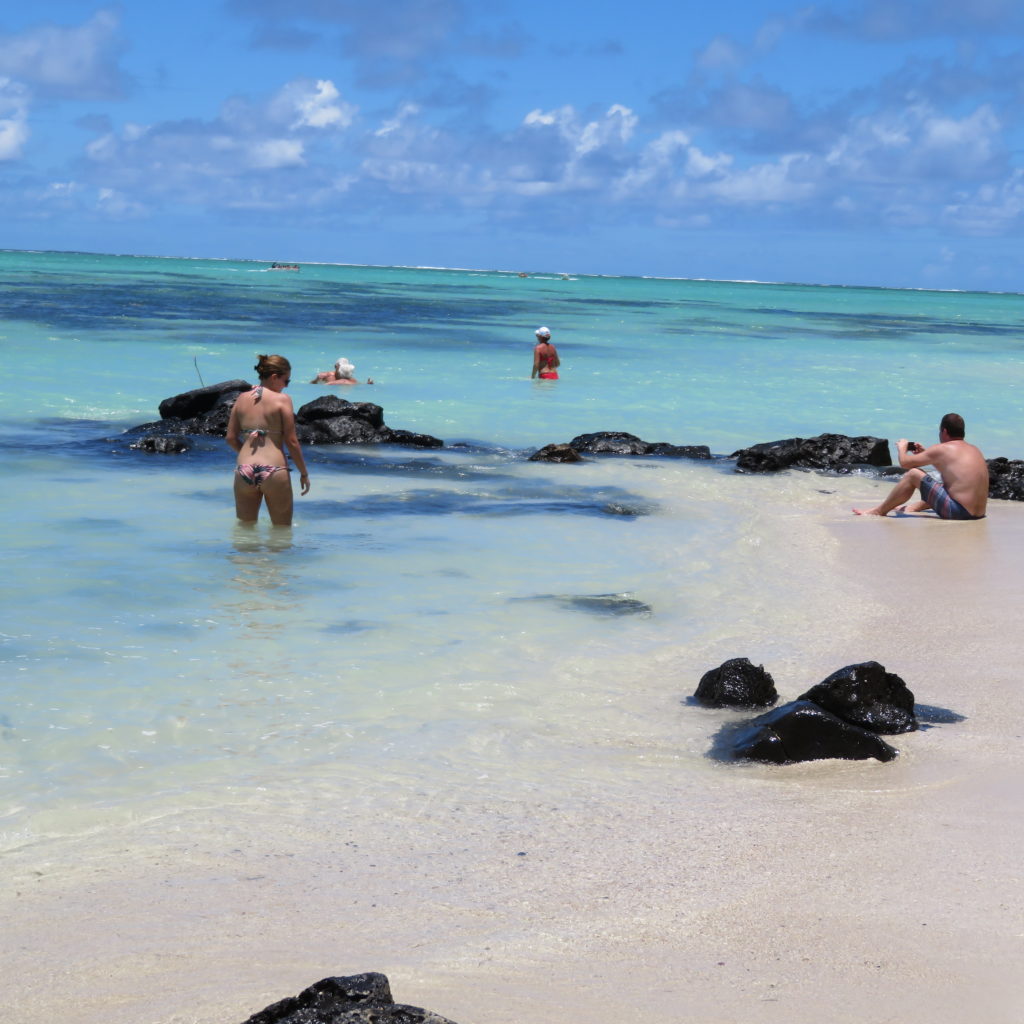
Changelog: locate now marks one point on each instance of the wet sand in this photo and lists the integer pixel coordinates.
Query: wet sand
(830, 891)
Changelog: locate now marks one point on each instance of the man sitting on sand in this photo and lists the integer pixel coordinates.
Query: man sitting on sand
(963, 492)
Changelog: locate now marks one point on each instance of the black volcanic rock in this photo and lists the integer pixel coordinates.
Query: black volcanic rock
(556, 453)
(618, 442)
(194, 403)
(835, 452)
(1006, 479)
(409, 438)
(736, 683)
(326, 420)
(330, 407)
(156, 444)
(805, 731)
(866, 695)
(355, 999)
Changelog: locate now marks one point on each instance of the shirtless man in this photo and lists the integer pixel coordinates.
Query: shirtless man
(963, 493)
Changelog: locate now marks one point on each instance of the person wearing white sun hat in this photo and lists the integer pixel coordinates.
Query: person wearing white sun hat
(343, 373)
(545, 356)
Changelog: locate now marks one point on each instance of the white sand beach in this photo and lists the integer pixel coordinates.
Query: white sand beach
(677, 890)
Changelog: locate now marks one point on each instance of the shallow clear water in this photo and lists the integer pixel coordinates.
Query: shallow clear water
(455, 611)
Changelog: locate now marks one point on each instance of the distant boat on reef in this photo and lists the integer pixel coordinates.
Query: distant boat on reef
(284, 266)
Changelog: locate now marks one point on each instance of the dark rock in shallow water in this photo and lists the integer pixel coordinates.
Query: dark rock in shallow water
(326, 420)
(679, 451)
(409, 438)
(826, 451)
(868, 696)
(556, 453)
(328, 407)
(333, 420)
(598, 604)
(736, 683)
(617, 442)
(804, 731)
(1006, 479)
(190, 404)
(161, 445)
(356, 999)
(610, 442)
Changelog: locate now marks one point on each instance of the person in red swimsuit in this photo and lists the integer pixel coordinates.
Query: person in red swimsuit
(545, 356)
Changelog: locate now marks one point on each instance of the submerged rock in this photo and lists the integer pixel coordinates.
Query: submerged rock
(866, 695)
(736, 683)
(556, 453)
(355, 999)
(597, 604)
(835, 452)
(805, 731)
(161, 445)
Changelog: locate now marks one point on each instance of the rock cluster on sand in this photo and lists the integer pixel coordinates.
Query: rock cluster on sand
(840, 717)
(355, 999)
(327, 420)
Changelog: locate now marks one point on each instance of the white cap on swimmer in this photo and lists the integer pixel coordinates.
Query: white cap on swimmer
(543, 332)
(344, 368)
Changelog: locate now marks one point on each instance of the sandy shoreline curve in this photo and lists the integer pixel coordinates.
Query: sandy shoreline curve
(830, 891)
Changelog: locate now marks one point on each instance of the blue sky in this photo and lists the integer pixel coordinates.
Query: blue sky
(859, 142)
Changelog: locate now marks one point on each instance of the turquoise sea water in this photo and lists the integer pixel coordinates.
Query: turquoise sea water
(433, 614)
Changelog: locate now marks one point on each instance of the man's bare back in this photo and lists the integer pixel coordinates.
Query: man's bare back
(961, 465)
(964, 472)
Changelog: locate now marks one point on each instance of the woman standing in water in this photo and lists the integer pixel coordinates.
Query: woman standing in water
(545, 356)
(262, 424)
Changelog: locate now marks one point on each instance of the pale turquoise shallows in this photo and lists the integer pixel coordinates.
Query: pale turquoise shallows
(432, 613)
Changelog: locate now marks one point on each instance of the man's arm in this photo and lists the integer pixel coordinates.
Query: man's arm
(914, 460)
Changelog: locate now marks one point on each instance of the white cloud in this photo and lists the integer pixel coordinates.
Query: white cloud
(778, 182)
(393, 125)
(614, 129)
(991, 209)
(721, 54)
(13, 119)
(112, 203)
(916, 142)
(304, 103)
(273, 153)
(77, 63)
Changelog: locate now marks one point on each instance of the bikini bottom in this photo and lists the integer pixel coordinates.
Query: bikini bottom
(255, 475)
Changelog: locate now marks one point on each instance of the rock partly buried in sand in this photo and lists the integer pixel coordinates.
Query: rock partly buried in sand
(866, 695)
(356, 999)
(556, 453)
(617, 442)
(736, 683)
(327, 420)
(805, 731)
(1006, 479)
(835, 452)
